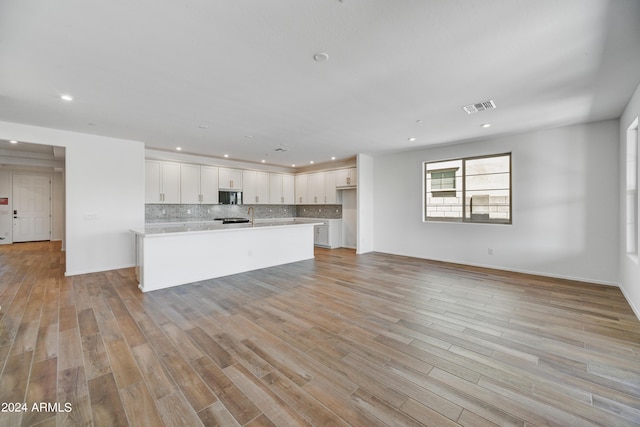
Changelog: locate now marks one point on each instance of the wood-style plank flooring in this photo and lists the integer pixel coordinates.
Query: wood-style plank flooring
(340, 340)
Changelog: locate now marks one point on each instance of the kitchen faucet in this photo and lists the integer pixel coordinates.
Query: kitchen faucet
(250, 211)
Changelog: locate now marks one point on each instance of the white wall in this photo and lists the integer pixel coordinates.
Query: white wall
(629, 268)
(104, 189)
(565, 205)
(365, 204)
(5, 210)
(57, 206)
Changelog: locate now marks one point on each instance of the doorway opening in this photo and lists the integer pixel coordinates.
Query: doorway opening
(32, 192)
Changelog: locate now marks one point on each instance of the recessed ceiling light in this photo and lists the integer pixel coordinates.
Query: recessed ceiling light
(486, 125)
(333, 157)
(321, 57)
(179, 148)
(66, 97)
(311, 162)
(13, 141)
(226, 155)
(263, 161)
(293, 166)
(411, 139)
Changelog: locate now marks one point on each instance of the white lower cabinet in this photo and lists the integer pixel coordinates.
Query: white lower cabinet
(321, 235)
(329, 234)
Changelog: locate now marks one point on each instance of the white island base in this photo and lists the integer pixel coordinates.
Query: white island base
(169, 258)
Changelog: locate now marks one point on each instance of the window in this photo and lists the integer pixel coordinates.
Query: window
(474, 189)
(443, 180)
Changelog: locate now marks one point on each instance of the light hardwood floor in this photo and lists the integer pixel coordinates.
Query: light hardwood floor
(340, 340)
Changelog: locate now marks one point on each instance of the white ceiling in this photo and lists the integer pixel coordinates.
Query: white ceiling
(158, 70)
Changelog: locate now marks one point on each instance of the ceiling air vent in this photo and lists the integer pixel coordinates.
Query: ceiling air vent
(481, 106)
(280, 150)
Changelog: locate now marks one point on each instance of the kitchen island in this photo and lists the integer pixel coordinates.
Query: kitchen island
(175, 254)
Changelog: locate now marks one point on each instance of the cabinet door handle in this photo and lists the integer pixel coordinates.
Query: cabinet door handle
(315, 199)
(257, 199)
(348, 180)
(281, 199)
(231, 184)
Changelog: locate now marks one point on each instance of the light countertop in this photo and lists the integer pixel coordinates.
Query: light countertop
(158, 229)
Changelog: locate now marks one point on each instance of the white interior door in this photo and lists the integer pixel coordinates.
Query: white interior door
(31, 208)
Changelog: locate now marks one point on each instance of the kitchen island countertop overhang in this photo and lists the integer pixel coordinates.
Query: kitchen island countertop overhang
(175, 254)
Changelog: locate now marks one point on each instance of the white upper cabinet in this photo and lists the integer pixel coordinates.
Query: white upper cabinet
(209, 184)
(162, 182)
(198, 184)
(347, 177)
(255, 187)
(301, 189)
(288, 190)
(281, 189)
(172, 182)
(189, 183)
(229, 179)
(330, 187)
(315, 188)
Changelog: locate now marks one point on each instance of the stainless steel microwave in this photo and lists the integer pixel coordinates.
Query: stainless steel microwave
(230, 197)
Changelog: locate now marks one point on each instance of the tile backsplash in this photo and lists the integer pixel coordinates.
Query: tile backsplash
(183, 213)
(319, 211)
